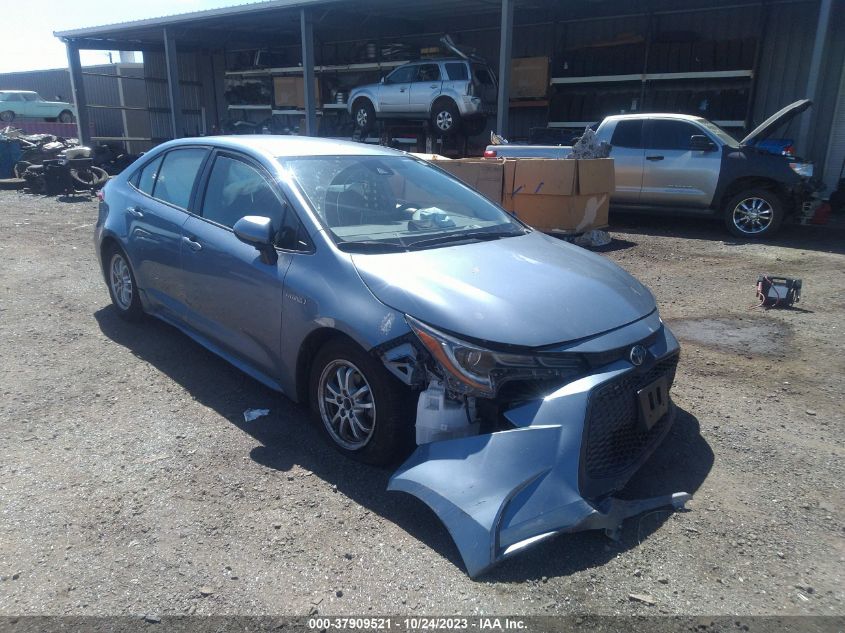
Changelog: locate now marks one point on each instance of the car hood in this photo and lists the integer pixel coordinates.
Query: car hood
(528, 291)
(779, 118)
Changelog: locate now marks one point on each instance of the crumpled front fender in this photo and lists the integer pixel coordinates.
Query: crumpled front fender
(501, 492)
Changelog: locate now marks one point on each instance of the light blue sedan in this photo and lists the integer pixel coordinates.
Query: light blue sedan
(405, 308)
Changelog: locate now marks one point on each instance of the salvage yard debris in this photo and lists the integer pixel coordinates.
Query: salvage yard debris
(52, 164)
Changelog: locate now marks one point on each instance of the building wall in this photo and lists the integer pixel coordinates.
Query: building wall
(100, 89)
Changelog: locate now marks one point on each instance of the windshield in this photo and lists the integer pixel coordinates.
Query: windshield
(718, 132)
(395, 202)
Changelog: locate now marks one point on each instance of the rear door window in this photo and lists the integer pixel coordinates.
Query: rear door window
(628, 134)
(177, 175)
(667, 134)
(457, 71)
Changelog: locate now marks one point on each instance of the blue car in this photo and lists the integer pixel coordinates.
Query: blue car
(523, 380)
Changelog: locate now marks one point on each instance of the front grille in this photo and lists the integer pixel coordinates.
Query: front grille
(614, 439)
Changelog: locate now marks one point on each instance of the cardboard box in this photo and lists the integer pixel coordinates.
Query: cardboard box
(290, 92)
(596, 175)
(485, 176)
(529, 77)
(561, 195)
(563, 214)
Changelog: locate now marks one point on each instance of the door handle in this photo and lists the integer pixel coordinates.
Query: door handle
(434, 86)
(653, 158)
(191, 242)
(136, 211)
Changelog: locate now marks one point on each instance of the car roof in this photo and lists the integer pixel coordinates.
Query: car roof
(655, 115)
(22, 92)
(435, 60)
(278, 145)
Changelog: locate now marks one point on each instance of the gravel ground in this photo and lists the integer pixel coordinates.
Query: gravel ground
(130, 484)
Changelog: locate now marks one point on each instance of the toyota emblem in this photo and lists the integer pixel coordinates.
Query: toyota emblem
(637, 355)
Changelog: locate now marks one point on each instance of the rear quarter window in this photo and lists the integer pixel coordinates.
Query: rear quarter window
(457, 71)
(144, 179)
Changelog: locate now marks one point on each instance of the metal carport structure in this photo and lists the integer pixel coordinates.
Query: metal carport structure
(798, 53)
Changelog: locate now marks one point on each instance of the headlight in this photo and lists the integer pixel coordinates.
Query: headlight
(802, 169)
(476, 370)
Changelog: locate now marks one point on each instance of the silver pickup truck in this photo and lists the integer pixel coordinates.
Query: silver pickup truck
(681, 164)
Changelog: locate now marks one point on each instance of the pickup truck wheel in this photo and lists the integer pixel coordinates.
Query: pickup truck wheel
(363, 410)
(7, 116)
(445, 118)
(754, 213)
(65, 116)
(364, 115)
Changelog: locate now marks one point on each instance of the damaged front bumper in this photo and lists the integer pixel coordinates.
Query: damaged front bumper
(555, 472)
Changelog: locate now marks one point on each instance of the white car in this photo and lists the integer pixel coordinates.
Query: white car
(20, 104)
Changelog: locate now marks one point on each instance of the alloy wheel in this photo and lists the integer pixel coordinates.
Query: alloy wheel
(361, 117)
(121, 281)
(753, 215)
(347, 408)
(444, 120)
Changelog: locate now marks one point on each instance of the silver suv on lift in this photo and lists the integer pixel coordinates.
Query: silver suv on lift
(454, 93)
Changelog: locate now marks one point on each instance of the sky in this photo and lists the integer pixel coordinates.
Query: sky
(27, 42)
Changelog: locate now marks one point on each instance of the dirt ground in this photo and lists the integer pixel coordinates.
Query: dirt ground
(130, 483)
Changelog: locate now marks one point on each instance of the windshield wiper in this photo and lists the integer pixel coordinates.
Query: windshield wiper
(464, 235)
(371, 246)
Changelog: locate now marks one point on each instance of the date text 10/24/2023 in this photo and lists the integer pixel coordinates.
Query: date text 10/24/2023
(417, 623)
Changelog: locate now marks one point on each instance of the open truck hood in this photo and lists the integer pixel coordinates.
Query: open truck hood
(779, 118)
(528, 291)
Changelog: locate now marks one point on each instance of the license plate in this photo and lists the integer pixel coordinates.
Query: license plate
(654, 402)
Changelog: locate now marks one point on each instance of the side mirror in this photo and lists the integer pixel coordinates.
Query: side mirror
(257, 231)
(700, 143)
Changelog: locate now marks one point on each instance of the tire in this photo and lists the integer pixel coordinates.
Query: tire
(89, 178)
(380, 431)
(754, 213)
(364, 115)
(66, 116)
(124, 296)
(7, 116)
(20, 167)
(445, 118)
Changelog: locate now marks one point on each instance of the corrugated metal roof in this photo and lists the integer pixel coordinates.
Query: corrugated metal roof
(179, 18)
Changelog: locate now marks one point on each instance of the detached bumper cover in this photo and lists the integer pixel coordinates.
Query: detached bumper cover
(501, 492)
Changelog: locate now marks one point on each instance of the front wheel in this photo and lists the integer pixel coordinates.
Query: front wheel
(754, 213)
(364, 411)
(364, 115)
(7, 116)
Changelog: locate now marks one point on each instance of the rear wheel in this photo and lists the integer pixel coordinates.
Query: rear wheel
(66, 116)
(363, 410)
(445, 118)
(122, 287)
(754, 213)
